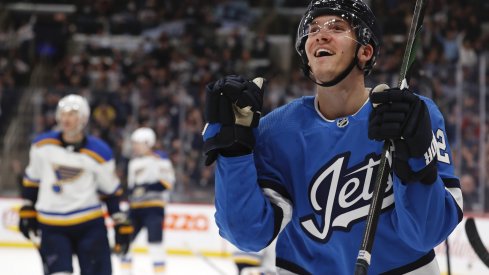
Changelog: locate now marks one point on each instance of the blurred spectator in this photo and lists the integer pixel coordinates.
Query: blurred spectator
(51, 36)
(450, 41)
(470, 193)
(467, 57)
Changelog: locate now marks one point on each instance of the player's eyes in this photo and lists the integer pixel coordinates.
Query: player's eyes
(334, 26)
(314, 29)
(337, 28)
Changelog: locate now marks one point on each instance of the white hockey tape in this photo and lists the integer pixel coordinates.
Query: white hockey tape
(363, 254)
(379, 88)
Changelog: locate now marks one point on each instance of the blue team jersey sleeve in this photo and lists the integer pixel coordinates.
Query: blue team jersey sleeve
(243, 214)
(425, 214)
(252, 201)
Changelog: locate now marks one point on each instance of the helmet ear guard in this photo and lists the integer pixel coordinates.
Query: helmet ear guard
(365, 36)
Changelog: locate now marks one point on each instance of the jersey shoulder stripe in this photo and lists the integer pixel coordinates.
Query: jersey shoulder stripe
(97, 149)
(51, 137)
(161, 154)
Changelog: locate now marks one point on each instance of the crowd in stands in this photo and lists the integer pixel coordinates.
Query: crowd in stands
(180, 46)
(15, 65)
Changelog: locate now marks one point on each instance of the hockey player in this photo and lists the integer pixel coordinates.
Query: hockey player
(69, 177)
(254, 263)
(304, 173)
(150, 178)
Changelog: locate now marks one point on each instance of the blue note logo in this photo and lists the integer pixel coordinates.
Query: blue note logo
(340, 196)
(65, 174)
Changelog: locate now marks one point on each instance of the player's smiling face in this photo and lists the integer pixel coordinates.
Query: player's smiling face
(330, 46)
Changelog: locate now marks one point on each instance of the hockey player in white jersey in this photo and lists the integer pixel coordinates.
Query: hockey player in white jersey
(304, 173)
(256, 263)
(150, 178)
(69, 178)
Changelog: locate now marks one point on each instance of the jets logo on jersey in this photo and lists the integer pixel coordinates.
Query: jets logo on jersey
(64, 174)
(340, 196)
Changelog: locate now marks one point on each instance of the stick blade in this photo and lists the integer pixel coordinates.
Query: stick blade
(475, 241)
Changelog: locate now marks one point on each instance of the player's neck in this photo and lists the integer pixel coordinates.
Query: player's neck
(344, 99)
(73, 138)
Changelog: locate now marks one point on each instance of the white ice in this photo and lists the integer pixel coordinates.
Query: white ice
(26, 261)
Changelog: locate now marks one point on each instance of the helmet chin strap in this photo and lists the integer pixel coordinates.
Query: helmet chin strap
(75, 132)
(338, 78)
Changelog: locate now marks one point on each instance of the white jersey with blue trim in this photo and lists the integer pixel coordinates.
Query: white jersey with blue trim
(70, 180)
(154, 168)
(309, 181)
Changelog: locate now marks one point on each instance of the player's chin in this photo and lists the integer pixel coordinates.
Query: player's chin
(323, 75)
(322, 70)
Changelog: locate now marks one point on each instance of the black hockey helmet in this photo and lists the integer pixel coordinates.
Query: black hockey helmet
(356, 12)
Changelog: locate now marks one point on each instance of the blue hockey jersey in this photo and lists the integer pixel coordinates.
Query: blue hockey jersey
(309, 183)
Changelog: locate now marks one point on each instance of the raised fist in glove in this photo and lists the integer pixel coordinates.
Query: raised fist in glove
(233, 108)
(123, 230)
(28, 224)
(401, 116)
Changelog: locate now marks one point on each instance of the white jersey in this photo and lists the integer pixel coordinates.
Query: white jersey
(153, 169)
(70, 180)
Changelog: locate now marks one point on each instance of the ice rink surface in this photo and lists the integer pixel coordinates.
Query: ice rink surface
(25, 261)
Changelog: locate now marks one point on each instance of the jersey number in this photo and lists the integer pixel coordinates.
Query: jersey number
(442, 147)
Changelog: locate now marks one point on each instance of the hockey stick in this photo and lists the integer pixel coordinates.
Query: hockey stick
(43, 261)
(364, 254)
(449, 266)
(475, 241)
(36, 242)
(197, 253)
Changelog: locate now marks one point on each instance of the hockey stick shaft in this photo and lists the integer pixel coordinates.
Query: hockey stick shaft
(364, 255)
(43, 261)
(36, 242)
(449, 266)
(410, 52)
(475, 241)
(204, 258)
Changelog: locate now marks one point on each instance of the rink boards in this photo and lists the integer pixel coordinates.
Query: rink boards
(190, 229)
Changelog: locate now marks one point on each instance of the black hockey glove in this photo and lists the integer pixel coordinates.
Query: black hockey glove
(28, 224)
(123, 231)
(232, 110)
(141, 189)
(401, 116)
